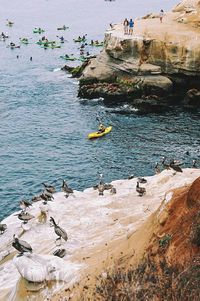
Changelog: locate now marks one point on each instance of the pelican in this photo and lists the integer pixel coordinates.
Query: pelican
(175, 167)
(46, 198)
(194, 163)
(58, 230)
(140, 190)
(3, 228)
(113, 190)
(60, 253)
(36, 198)
(157, 168)
(66, 188)
(142, 180)
(49, 188)
(25, 217)
(21, 245)
(166, 166)
(24, 204)
(101, 188)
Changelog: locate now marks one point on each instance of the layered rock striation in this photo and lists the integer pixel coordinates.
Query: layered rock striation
(159, 62)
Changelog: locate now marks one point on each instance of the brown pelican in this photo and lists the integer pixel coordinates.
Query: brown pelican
(21, 245)
(36, 198)
(66, 188)
(108, 186)
(166, 166)
(142, 180)
(24, 204)
(46, 198)
(140, 190)
(175, 167)
(113, 190)
(60, 253)
(194, 163)
(58, 230)
(157, 168)
(25, 217)
(49, 188)
(101, 188)
(3, 228)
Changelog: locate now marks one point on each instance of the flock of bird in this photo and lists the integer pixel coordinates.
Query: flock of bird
(49, 190)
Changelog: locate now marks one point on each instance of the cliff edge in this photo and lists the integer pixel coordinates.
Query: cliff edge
(159, 61)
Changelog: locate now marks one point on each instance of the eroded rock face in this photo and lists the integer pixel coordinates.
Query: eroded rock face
(154, 55)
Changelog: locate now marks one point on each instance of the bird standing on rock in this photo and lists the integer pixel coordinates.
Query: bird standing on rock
(66, 188)
(3, 228)
(157, 168)
(21, 245)
(24, 204)
(25, 217)
(58, 230)
(194, 163)
(175, 167)
(140, 190)
(49, 188)
(101, 188)
(165, 166)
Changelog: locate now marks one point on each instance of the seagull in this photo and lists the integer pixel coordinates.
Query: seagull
(21, 245)
(58, 230)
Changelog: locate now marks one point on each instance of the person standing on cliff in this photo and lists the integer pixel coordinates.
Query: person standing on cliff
(131, 25)
(161, 15)
(126, 24)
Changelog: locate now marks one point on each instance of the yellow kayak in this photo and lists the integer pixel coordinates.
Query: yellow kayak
(99, 134)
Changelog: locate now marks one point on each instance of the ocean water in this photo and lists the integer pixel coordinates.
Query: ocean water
(44, 126)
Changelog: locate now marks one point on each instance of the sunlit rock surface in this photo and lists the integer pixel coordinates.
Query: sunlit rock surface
(90, 221)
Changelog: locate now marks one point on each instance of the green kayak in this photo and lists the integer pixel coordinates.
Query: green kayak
(38, 30)
(68, 58)
(24, 41)
(79, 40)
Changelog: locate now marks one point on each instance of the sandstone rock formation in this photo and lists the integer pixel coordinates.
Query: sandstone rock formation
(152, 61)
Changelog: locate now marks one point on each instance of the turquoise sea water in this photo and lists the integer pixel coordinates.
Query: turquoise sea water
(43, 125)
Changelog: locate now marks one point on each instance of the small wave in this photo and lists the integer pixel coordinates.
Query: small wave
(56, 69)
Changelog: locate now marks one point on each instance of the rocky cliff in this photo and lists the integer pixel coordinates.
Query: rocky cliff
(158, 60)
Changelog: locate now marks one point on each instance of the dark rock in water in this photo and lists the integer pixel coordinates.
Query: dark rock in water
(192, 98)
(150, 105)
(60, 253)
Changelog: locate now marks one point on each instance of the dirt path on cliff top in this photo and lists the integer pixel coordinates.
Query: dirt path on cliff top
(170, 29)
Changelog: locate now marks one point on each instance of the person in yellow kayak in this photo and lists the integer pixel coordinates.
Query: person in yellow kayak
(101, 128)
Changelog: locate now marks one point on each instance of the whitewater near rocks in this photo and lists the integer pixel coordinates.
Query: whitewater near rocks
(90, 221)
